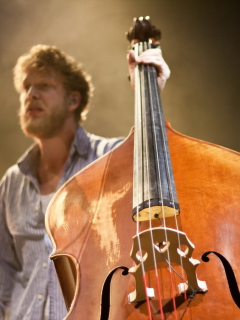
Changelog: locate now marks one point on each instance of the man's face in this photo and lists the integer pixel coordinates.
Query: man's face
(43, 103)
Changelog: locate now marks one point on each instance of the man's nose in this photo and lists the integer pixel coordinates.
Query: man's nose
(32, 93)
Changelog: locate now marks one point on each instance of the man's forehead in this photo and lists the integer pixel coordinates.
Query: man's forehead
(43, 73)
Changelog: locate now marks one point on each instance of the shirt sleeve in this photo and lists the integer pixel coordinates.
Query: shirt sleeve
(104, 145)
(8, 260)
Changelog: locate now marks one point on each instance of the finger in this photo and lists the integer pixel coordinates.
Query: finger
(151, 53)
(150, 60)
(131, 57)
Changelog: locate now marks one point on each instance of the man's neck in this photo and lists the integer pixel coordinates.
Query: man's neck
(54, 153)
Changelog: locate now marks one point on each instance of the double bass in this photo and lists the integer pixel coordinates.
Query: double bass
(150, 230)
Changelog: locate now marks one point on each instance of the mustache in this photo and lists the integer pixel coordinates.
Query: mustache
(34, 105)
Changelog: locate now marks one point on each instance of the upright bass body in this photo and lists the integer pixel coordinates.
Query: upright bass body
(89, 222)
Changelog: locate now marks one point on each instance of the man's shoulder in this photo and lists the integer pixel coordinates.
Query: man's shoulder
(92, 146)
(12, 176)
(101, 145)
(93, 138)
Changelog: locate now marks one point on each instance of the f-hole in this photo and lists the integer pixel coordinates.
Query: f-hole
(106, 293)
(67, 276)
(232, 283)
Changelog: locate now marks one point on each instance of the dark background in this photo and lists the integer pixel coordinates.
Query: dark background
(200, 42)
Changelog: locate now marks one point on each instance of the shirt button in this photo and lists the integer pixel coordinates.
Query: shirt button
(44, 265)
(40, 297)
(36, 208)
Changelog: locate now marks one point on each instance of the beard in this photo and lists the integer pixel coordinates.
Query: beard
(43, 126)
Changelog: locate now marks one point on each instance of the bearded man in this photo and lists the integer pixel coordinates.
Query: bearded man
(54, 93)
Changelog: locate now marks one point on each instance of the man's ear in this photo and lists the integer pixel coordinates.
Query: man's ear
(74, 100)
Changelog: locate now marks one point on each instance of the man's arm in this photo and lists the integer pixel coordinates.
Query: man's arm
(8, 261)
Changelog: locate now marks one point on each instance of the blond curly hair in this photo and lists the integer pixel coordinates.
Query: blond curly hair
(75, 78)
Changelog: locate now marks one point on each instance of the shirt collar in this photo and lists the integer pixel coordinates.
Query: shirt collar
(28, 161)
(81, 143)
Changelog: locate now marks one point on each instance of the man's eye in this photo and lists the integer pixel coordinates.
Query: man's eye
(26, 88)
(43, 86)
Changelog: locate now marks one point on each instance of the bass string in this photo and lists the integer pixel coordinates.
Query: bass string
(146, 151)
(139, 80)
(138, 113)
(139, 142)
(154, 84)
(152, 89)
(138, 139)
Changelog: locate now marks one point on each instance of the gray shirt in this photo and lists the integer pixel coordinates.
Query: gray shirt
(26, 276)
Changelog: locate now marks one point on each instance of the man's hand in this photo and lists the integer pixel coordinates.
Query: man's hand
(150, 56)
